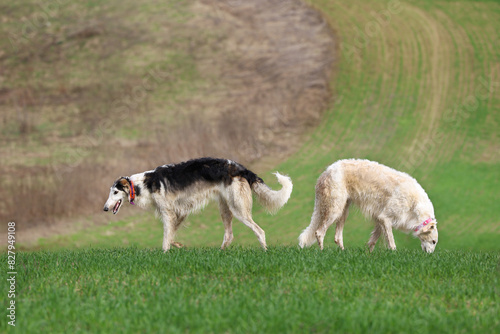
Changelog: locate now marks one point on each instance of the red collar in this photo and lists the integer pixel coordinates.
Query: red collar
(132, 192)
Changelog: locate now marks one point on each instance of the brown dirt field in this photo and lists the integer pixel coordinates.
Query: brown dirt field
(265, 68)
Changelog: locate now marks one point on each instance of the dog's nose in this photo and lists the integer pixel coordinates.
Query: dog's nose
(106, 208)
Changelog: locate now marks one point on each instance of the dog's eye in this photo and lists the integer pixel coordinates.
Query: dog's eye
(433, 242)
(116, 192)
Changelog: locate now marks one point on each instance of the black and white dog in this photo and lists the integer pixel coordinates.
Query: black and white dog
(180, 189)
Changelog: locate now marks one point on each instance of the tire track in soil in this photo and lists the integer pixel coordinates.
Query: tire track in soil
(436, 84)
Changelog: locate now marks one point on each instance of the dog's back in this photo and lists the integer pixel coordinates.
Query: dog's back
(210, 170)
(375, 187)
(378, 189)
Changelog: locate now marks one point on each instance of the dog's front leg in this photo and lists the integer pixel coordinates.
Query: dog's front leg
(168, 230)
(227, 218)
(386, 224)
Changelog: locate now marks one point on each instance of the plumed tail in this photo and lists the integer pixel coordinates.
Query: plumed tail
(273, 200)
(307, 237)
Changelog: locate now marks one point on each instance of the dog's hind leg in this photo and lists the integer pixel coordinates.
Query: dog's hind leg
(339, 239)
(328, 206)
(308, 236)
(322, 207)
(330, 212)
(227, 218)
(240, 204)
(244, 215)
(259, 232)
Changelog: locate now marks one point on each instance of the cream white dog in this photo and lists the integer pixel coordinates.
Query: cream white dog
(392, 199)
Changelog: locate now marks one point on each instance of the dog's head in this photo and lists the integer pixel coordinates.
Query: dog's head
(118, 193)
(428, 236)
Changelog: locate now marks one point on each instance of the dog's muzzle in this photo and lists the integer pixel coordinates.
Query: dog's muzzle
(428, 249)
(106, 208)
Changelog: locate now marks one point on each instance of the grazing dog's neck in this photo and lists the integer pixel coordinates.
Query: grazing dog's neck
(427, 221)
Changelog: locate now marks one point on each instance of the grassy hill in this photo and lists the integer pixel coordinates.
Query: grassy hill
(417, 87)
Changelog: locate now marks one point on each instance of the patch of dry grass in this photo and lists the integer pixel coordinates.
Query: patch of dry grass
(115, 88)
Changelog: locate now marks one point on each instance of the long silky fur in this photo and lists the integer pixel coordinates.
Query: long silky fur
(391, 198)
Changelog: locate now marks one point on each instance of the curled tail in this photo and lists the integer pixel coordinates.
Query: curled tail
(273, 200)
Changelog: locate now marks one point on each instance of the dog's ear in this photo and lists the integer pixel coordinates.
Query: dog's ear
(126, 186)
(429, 228)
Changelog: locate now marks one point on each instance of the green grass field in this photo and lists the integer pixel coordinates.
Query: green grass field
(247, 290)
